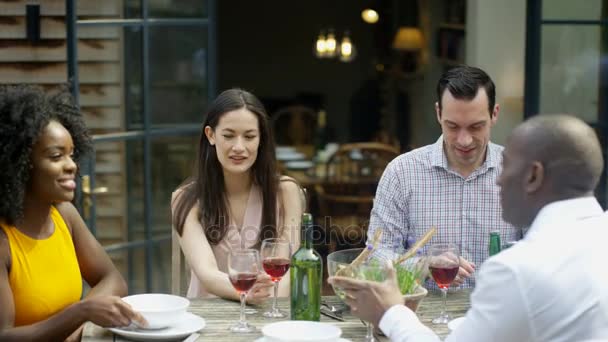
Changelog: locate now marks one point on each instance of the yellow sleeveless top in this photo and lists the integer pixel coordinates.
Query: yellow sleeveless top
(44, 275)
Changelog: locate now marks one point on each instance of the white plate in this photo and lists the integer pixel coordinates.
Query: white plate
(188, 324)
(286, 156)
(283, 149)
(301, 331)
(263, 339)
(299, 164)
(453, 324)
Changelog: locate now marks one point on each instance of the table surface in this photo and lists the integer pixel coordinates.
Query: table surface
(219, 314)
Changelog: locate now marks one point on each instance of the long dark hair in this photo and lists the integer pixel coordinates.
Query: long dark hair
(207, 184)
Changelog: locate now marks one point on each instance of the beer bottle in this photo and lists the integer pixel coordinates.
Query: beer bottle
(494, 247)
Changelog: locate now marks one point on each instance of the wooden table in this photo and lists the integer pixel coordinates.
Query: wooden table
(219, 314)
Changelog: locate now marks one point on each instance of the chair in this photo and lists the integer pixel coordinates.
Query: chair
(180, 271)
(294, 125)
(359, 162)
(346, 197)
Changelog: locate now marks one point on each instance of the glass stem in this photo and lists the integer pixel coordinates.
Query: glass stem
(445, 296)
(370, 332)
(242, 319)
(276, 293)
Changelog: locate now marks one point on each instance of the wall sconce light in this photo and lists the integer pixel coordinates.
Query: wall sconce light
(326, 46)
(330, 44)
(320, 46)
(370, 16)
(347, 50)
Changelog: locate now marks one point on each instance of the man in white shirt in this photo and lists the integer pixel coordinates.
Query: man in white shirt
(552, 285)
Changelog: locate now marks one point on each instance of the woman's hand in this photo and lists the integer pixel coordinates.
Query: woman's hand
(261, 290)
(111, 311)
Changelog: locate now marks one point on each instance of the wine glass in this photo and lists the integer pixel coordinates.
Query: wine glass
(444, 262)
(243, 269)
(371, 270)
(374, 269)
(276, 255)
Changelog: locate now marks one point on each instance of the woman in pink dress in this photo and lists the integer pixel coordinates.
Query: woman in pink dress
(235, 199)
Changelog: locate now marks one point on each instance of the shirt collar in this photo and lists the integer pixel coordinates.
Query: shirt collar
(439, 158)
(557, 213)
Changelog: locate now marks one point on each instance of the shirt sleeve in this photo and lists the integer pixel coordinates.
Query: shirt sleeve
(400, 324)
(498, 313)
(390, 209)
(498, 310)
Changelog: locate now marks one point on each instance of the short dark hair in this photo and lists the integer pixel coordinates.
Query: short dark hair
(464, 82)
(25, 110)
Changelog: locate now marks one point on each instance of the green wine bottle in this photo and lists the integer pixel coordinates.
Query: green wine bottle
(306, 275)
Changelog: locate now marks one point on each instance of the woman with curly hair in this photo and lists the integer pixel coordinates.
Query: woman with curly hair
(236, 199)
(45, 247)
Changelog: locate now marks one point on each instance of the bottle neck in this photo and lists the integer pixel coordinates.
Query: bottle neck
(307, 236)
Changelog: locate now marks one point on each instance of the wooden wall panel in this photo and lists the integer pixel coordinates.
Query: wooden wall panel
(53, 28)
(110, 228)
(55, 50)
(101, 95)
(109, 162)
(98, 118)
(96, 8)
(41, 73)
(113, 181)
(111, 205)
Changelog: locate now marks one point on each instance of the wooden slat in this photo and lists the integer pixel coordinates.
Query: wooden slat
(52, 28)
(41, 73)
(99, 95)
(57, 7)
(108, 118)
(115, 182)
(110, 146)
(108, 162)
(111, 205)
(55, 50)
(110, 228)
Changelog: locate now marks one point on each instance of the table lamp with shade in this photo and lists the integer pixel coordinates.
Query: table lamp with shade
(410, 43)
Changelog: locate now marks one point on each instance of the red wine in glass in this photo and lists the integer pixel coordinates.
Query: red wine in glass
(444, 275)
(276, 267)
(242, 282)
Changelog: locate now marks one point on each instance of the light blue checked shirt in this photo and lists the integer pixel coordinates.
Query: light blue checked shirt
(418, 190)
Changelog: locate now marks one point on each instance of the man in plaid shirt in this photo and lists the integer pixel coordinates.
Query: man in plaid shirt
(450, 184)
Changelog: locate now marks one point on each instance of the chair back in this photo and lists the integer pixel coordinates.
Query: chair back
(180, 271)
(294, 125)
(359, 162)
(346, 197)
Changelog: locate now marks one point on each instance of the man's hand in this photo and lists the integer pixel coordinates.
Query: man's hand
(261, 290)
(465, 271)
(370, 300)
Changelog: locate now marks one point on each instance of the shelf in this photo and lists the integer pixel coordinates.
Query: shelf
(449, 26)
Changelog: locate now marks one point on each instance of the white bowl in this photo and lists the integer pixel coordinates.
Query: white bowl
(301, 331)
(160, 310)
